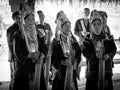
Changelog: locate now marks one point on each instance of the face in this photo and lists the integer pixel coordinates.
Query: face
(17, 17)
(66, 28)
(30, 20)
(96, 27)
(28, 9)
(41, 16)
(86, 13)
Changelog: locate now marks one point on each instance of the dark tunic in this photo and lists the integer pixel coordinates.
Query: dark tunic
(41, 42)
(24, 65)
(93, 63)
(45, 27)
(57, 58)
(10, 35)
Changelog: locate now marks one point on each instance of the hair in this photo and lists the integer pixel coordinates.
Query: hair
(40, 11)
(87, 9)
(93, 12)
(15, 15)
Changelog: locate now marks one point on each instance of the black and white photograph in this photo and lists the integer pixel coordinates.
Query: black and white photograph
(59, 44)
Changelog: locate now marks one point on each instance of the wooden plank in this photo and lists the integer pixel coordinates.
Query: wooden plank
(68, 78)
(48, 64)
(38, 69)
(101, 77)
(48, 58)
(69, 84)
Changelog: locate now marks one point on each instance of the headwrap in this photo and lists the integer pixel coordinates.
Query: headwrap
(62, 20)
(30, 34)
(95, 15)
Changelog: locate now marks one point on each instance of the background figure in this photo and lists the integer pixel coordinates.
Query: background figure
(10, 36)
(96, 39)
(60, 51)
(106, 27)
(43, 27)
(82, 29)
(43, 30)
(82, 26)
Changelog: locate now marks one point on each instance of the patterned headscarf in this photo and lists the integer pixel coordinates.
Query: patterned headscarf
(63, 21)
(30, 33)
(95, 15)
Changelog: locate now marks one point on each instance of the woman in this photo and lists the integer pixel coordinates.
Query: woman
(63, 43)
(27, 50)
(96, 46)
(106, 27)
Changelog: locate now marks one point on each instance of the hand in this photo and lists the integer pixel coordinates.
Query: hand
(106, 57)
(40, 58)
(81, 40)
(99, 55)
(68, 62)
(84, 33)
(34, 55)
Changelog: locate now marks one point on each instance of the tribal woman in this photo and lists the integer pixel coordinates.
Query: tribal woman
(27, 51)
(64, 46)
(98, 47)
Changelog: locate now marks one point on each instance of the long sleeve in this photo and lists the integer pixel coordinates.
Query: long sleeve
(77, 52)
(42, 46)
(77, 28)
(24, 64)
(57, 54)
(20, 49)
(112, 48)
(88, 50)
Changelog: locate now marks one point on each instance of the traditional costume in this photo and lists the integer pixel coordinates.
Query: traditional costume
(26, 44)
(90, 51)
(61, 48)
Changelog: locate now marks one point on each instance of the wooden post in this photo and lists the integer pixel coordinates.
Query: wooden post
(69, 84)
(48, 59)
(101, 76)
(101, 84)
(38, 69)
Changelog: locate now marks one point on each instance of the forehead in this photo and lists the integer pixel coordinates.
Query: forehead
(96, 21)
(29, 17)
(85, 10)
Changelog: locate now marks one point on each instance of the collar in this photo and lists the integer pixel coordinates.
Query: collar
(97, 37)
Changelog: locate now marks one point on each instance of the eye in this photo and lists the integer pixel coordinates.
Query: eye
(99, 24)
(94, 24)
